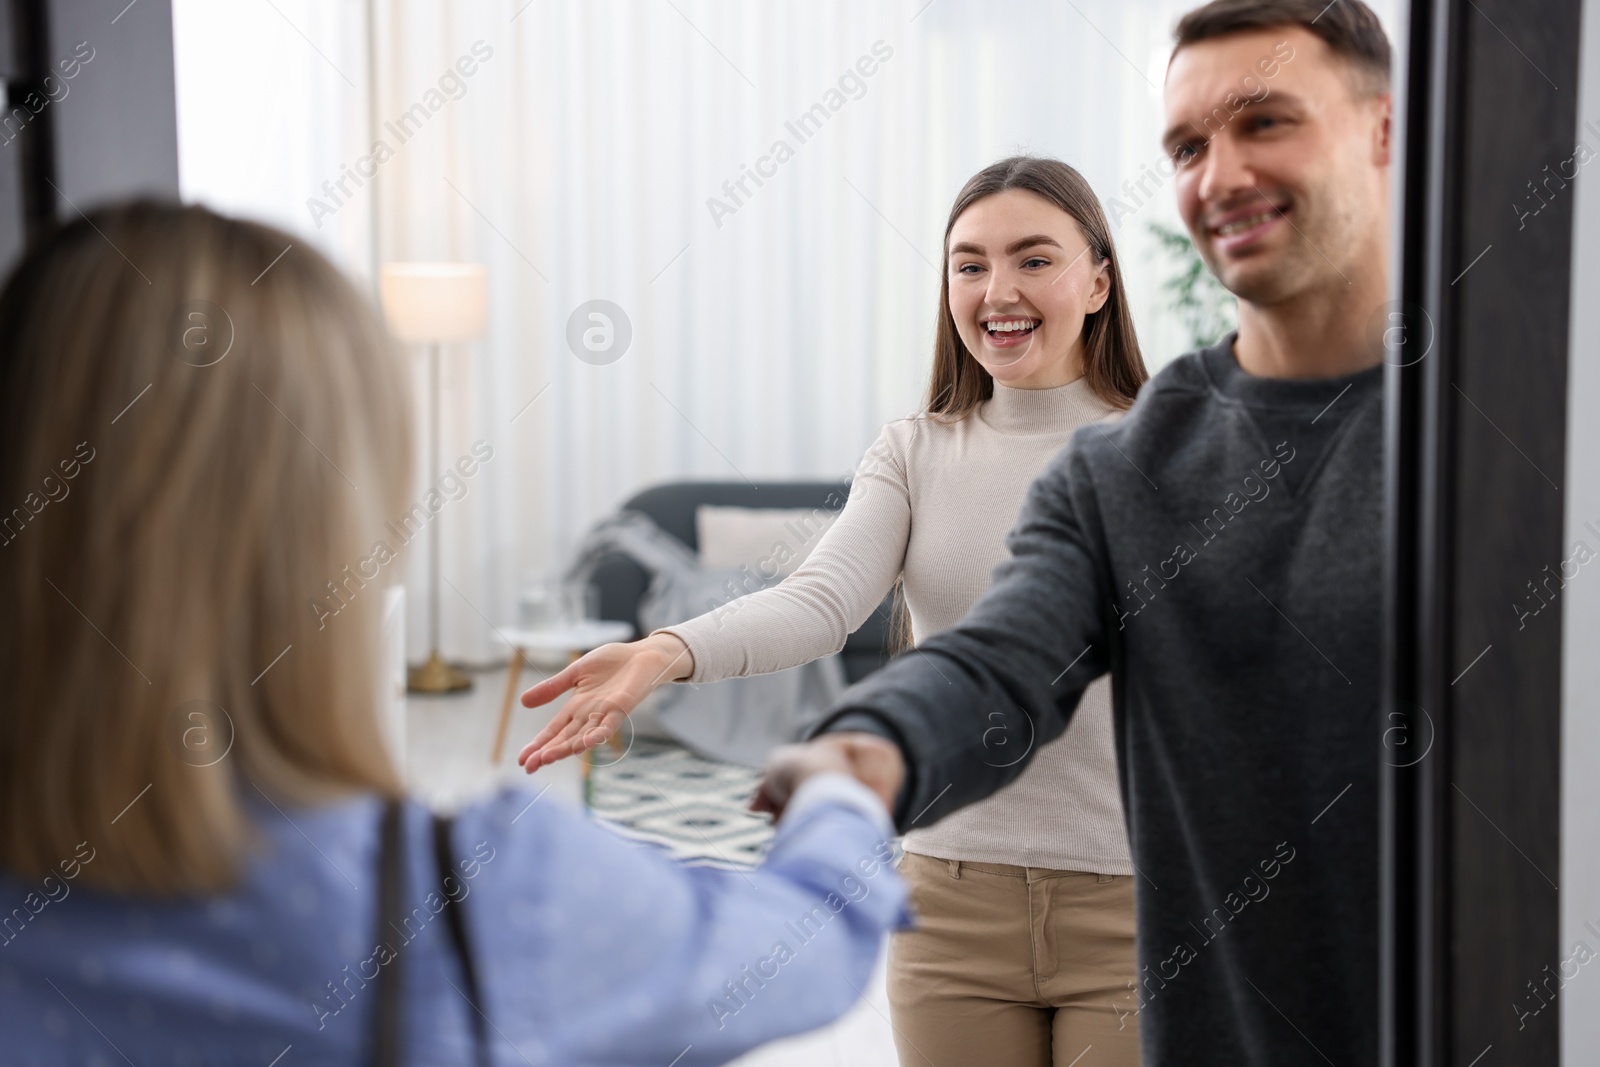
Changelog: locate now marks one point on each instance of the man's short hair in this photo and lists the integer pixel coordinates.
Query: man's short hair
(1347, 27)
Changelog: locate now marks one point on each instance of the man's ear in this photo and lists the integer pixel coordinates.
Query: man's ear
(1383, 133)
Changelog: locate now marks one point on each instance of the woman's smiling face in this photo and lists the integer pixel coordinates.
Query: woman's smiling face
(1022, 280)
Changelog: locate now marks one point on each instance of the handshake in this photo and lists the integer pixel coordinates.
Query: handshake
(871, 760)
(609, 682)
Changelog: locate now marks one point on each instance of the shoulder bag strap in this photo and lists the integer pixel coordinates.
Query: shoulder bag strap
(387, 1041)
(456, 924)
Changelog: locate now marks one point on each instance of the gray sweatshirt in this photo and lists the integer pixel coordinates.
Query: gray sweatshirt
(1218, 553)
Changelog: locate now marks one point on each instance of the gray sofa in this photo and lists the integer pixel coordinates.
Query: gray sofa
(621, 582)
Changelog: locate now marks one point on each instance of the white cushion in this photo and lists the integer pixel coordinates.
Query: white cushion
(769, 541)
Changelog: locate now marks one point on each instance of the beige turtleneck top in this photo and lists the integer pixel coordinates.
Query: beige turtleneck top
(933, 502)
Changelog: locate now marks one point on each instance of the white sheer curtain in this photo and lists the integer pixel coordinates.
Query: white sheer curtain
(772, 335)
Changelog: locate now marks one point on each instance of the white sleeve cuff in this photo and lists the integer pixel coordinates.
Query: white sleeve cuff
(833, 787)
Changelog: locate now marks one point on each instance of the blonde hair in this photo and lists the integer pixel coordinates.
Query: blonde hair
(197, 436)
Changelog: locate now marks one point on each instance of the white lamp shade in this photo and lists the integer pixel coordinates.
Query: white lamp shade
(435, 303)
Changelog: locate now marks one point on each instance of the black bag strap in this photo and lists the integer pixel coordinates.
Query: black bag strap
(388, 1042)
(455, 921)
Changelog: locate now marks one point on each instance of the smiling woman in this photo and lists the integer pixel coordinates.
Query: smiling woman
(1033, 342)
(991, 299)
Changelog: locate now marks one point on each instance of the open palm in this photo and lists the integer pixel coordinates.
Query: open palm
(606, 685)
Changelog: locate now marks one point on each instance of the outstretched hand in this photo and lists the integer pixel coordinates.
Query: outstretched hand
(606, 685)
(871, 759)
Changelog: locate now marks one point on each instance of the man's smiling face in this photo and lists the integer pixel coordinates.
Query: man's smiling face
(1289, 194)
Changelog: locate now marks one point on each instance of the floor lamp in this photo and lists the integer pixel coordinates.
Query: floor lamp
(435, 304)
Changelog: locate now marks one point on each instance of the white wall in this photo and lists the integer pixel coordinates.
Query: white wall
(1580, 653)
(122, 145)
(271, 98)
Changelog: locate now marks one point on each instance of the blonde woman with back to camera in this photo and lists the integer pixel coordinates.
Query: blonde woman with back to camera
(1023, 953)
(262, 891)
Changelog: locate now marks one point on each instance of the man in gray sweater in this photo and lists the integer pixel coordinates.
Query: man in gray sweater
(1218, 552)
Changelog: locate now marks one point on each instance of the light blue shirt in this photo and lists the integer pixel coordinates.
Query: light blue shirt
(590, 948)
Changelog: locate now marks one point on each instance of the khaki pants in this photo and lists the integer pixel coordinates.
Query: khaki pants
(1014, 967)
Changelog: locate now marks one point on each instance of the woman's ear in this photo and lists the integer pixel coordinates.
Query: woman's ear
(1100, 290)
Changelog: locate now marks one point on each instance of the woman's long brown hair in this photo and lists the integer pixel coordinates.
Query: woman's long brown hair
(1112, 363)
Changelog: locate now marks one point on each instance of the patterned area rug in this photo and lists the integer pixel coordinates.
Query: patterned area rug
(693, 807)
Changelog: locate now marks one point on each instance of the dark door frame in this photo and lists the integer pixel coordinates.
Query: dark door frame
(1475, 452)
(90, 110)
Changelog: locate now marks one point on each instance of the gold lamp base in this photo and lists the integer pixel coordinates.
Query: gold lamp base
(436, 676)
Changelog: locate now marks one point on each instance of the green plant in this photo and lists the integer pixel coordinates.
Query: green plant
(1206, 309)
